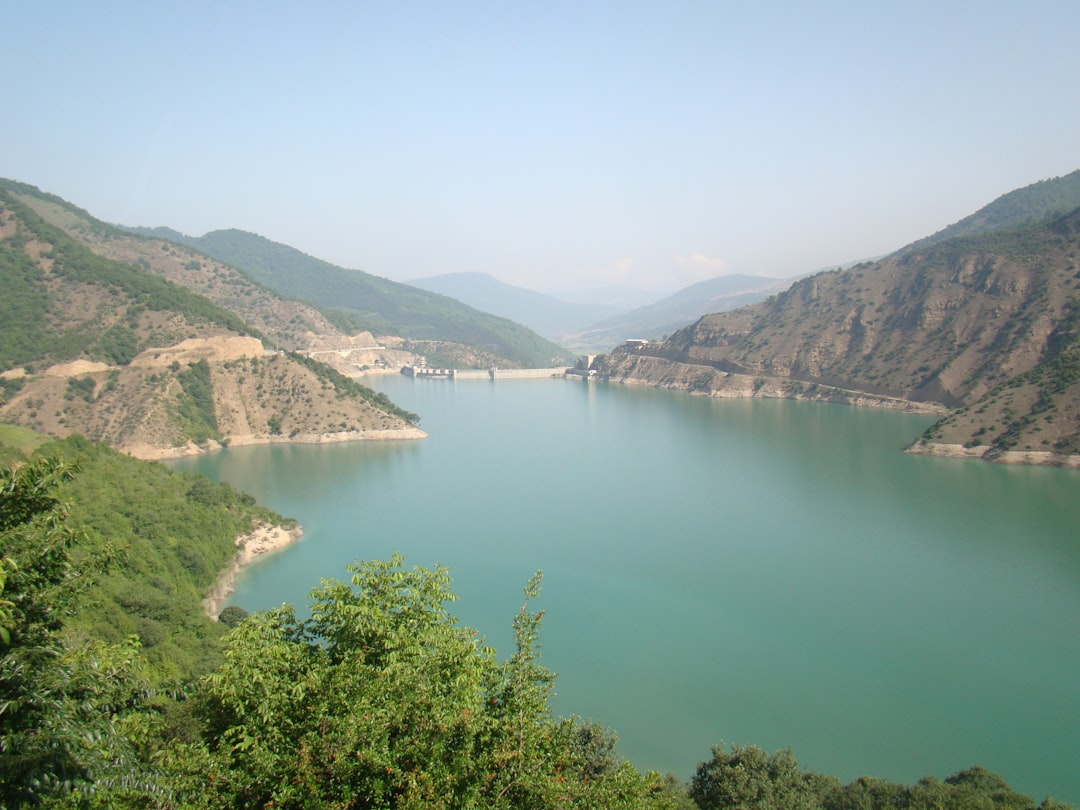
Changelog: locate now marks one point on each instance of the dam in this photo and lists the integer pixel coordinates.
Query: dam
(484, 374)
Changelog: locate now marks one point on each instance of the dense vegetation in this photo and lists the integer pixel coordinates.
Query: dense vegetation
(367, 302)
(379, 699)
(167, 535)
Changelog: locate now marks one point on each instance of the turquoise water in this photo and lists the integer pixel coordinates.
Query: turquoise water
(736, 571)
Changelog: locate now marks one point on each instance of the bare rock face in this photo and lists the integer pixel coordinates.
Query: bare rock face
(987, 327)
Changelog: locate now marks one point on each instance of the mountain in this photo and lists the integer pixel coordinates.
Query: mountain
(680, 309)
(550, 316)
(286, 323)
(1034, 203)
(109, 350)
(984, 324)
(378, 305)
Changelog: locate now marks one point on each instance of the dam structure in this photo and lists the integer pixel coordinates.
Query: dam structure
(417, 372)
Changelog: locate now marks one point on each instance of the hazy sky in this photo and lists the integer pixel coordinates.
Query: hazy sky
(552, 144)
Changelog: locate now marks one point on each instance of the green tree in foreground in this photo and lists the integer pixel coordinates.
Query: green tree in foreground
(381, 699)
(748, 778)
(64, 709)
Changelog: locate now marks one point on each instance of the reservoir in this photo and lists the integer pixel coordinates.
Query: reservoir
(720, 571)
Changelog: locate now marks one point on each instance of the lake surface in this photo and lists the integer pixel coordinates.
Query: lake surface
(737, 571)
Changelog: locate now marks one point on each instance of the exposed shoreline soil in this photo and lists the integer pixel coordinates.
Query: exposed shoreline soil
(148, 452)
(1046, 458)
(263, 540)
(706, 381)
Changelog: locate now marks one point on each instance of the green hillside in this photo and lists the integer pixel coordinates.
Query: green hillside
(369, 302)
(288, 324)
(61, 302)
(165, 537)
(1031, 204)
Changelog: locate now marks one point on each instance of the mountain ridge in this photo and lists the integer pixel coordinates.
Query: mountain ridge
(982, 325)
(681, 308)
(1032, 203)
(109, 350)
(363, 301)
(549, 315)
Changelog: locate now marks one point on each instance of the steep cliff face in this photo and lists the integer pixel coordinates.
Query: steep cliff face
(946, 325)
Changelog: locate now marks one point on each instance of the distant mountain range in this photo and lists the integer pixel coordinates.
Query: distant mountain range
(594, 327)
(550, 316)
(985, 323)
(356, 300)
(153, 339)
(663, 317)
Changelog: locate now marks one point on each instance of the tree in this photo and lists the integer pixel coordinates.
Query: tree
(64, 710)
(232, 615)
(381, 699)
(751, 779)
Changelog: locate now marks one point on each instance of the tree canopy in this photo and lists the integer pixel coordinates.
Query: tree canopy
(379, 699)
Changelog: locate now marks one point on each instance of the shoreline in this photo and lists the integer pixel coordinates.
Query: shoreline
(740, 386)
(994, 456)
(145, 452)
(729, 385)
(264, 539)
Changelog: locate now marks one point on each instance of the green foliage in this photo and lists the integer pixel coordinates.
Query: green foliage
(749, 778)
(63, 707)
(171, 535)
(1033, 203)
(195, 409)
(16, 443)
(81, 387)
(232, 616)
(381, 699)
(119, 344)
(23, 306)
(34, 330)
(10, 386)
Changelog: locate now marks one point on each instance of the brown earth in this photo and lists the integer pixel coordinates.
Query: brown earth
(259, 398)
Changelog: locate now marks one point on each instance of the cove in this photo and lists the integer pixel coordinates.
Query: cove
(737, 571)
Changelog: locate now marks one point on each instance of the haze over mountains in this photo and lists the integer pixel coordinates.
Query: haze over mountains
(361, 301)
(596, 327)
(979, 317)
(552, 317)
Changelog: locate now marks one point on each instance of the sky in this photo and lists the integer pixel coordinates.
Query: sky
(558, 146)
